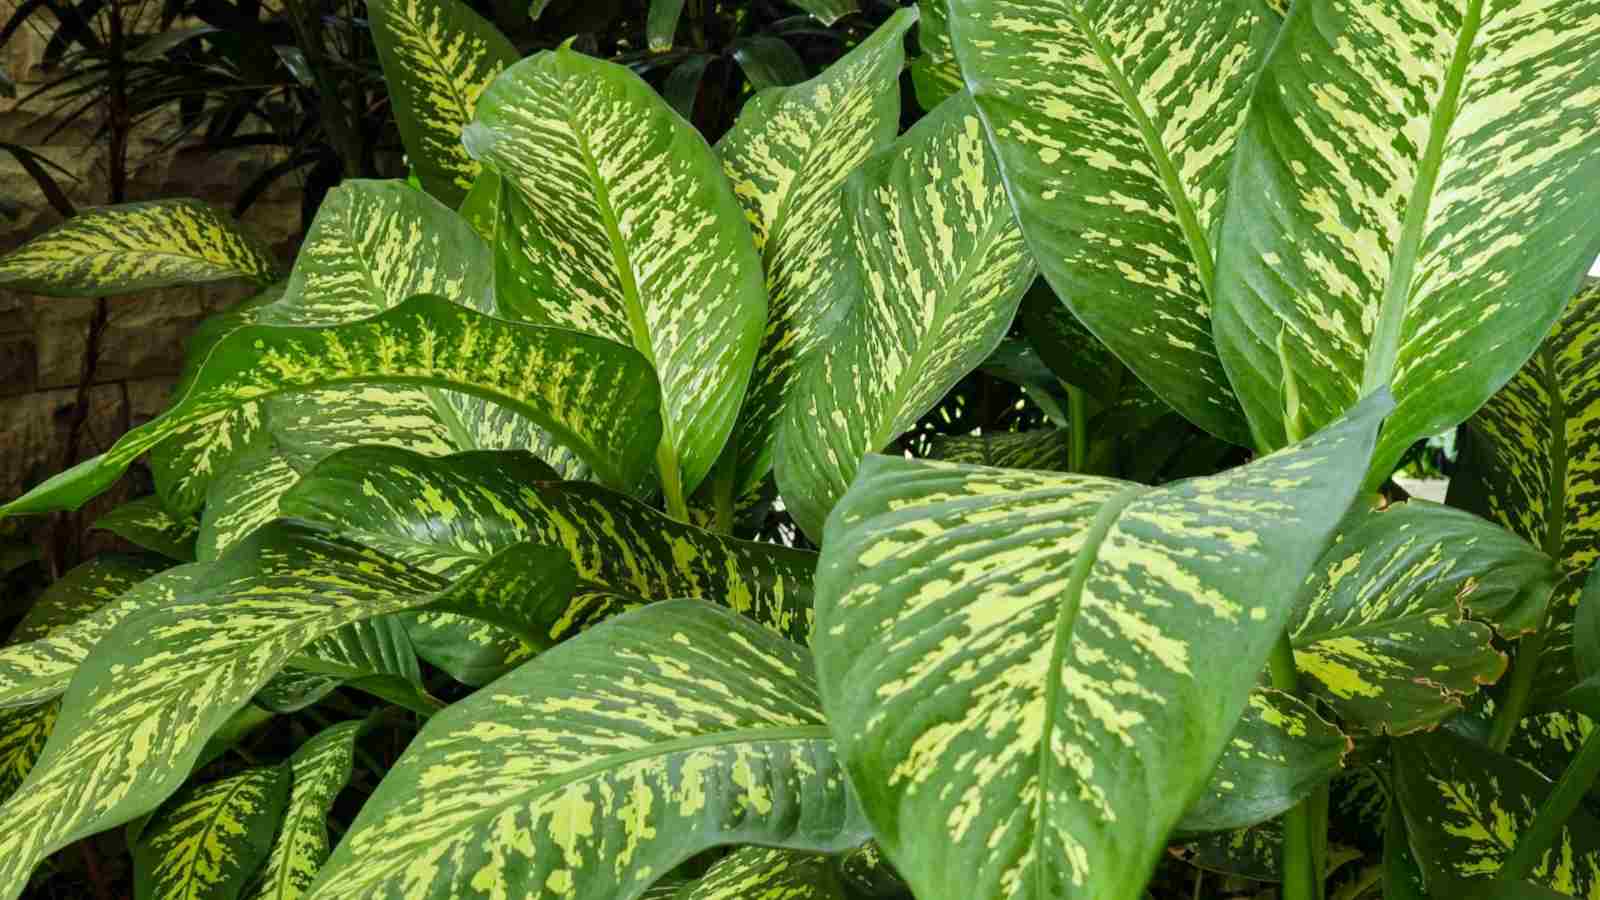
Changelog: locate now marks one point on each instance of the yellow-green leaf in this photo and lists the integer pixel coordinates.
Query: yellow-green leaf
(787, 156)
(23, 732)
(136, 247)
(1030, 675)
(1380, 216)
(320, 770)
(146, 523)
(766, 873)
(940, 266)
(206, 842)
(618, 222)
(935, 74)
(594, 769)
(1041, 448)
(85, 589)
(1114, 122)
(438, 56)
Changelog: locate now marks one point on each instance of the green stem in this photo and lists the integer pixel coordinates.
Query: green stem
(671, 481)
(1300, 878)
(1554, 812)
(722, 489)
(1524, 671)
(1078, 415)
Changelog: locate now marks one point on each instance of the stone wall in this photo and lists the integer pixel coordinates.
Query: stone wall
(43, 339)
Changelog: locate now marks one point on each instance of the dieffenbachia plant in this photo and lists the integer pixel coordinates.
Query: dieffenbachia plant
(990, 502)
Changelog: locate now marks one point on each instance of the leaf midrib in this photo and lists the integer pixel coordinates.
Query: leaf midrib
(1066, 617)
(1188, 219)
(1385, 348)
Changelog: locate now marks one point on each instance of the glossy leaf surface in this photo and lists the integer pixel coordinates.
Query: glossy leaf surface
(1031, 675)
(146, 523)
(320, 769)
(610, 759)
(766, 873)
(206, 841)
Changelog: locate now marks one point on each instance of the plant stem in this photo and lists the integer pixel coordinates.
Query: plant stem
(1547, 823)
(1301, 881)
(1524, 670)
(1078, 414)
(671, 482)
(722, 488)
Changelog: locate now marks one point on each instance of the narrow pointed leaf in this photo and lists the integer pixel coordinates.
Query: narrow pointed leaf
(1115, 123)
(1280, 752)
(142, 706)
(942, 268)
(209, 838)
(618, 222)
(321, 768)
(611, 758)
(40, 669)
(146, 523)
(766, 873)
(135, 247)
(438, 57)
(83, 590)
(1465, 807)
(1394, 628)
(1530, 461)
(598, 396)
(787, 156)
(625, 553)
(1031, 675)
(1396, 145)
(23, 732)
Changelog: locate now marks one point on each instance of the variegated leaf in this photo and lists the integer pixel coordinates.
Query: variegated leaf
(23, 732)
(88, 587)
(142, 706)
(1248, 852)
(207, 841)
(1042, 448)
(1114, 122)
(244, 498)
(827, 11)
(597, 767)
(1530, 461)
(39, 670)
(935, 74)
(599, 397)
(1031, 675)
(134, 247)
(1465, 807)
(1279, 752)
(941, 267)
(146, 523)
(787, 156)
(1393, 629)
(447, 512)
(1076, 356)
(374, 652)
(320, 770)
(766, 873)
(1398, 145)
(618, 222)
(865, 872)
(438, 56)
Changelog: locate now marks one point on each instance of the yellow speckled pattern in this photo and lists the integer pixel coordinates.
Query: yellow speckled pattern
(594, 769)
(320, 769)
(23, 732)
(1412, 208)
(1115, 121)
(209, 838)
(766, 873)
(941, 267)
(1031, 673)
(135, 247)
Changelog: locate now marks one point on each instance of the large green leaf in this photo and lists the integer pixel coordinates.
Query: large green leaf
(375, 654)
(1279, 752)
(23, 732)
(766, 873)
(941, 267)
(39, 669)
(1114, 122)
(141, 707)
(599, 766)
(135, 247)
(1380, 228)
(146, 523)
(1465, 807)
(618, 222)
(598, 396)
(787, 156)
(244, 497)
(85, 589)
(206, 842)
(1031, 675)
(437, 56)
(1041, 448)
(443, 513)
(1393, 627)
(1530, 461)
(320, 770)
